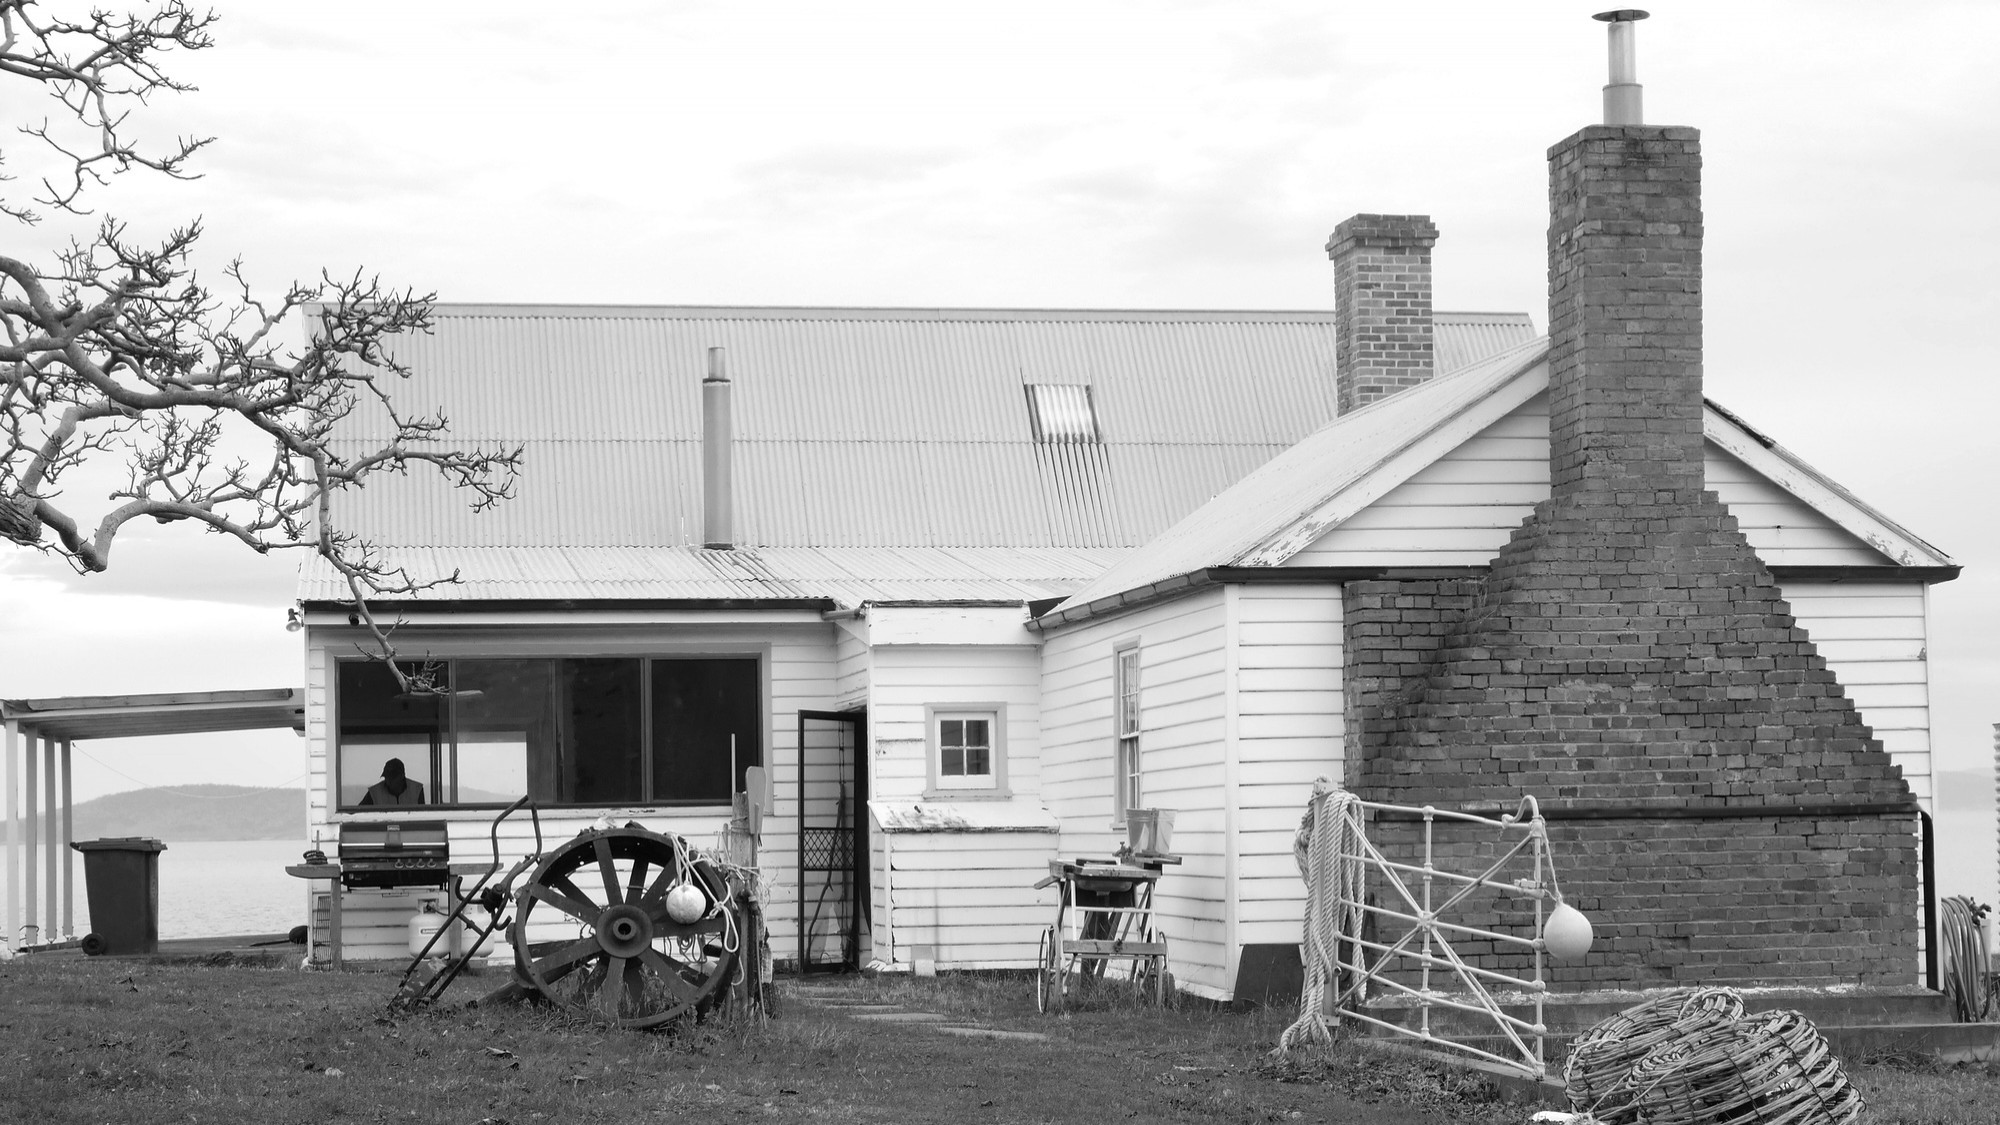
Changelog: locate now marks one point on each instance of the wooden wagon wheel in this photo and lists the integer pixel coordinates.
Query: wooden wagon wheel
(631, 964)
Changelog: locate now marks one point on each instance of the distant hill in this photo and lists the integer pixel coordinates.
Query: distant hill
(186, 813)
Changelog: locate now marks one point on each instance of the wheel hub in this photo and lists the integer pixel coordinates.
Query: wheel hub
(624, 931)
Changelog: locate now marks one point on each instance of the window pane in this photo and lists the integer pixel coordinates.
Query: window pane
(362, 756)
(600, 745)
(951, 732)
(378, 721)
(975, 733)
(507, 730)
(978, 761)
(953, 764)
(707, 713)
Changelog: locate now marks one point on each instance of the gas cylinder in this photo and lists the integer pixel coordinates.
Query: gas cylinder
(425, 924)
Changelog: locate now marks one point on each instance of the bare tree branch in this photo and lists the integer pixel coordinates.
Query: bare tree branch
(117, 352)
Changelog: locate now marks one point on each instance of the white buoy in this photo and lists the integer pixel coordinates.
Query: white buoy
(1567, 933)
(686, 903)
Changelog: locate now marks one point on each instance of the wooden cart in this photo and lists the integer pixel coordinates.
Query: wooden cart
(1104, 913)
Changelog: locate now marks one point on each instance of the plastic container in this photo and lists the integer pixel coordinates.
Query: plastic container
(121, 879)
(1150, 831)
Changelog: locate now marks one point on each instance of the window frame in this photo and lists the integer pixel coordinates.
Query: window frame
(444, 743)
(936, 788)
(1127, 762)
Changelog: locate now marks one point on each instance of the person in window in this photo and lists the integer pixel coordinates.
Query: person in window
(394, 788)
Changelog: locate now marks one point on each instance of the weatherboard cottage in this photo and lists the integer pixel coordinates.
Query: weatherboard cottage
(972, 584)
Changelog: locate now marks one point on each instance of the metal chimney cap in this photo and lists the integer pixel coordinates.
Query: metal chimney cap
(1622, 15)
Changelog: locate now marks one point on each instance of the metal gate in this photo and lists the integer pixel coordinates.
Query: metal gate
(833, 840)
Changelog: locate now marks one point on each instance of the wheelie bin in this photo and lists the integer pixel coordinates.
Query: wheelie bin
(121, 878)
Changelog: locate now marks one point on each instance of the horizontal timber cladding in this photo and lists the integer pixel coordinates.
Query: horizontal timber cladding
(966, 898)
(1808, 900)
(1289, 726)
(1183, 718)
(906, 679)
(1460, 510)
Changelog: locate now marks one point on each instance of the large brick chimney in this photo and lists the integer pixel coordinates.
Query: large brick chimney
(1716, 804)
(1382, 335)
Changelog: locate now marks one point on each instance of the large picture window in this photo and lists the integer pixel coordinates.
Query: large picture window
(565, 731)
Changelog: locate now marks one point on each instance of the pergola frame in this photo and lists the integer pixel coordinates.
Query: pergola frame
(36, 768)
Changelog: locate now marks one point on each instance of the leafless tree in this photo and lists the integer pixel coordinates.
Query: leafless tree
(116, 351)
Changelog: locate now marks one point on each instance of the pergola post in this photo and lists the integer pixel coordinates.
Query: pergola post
(68, 836)
(55, 854)
(31, 873)
(10, 938)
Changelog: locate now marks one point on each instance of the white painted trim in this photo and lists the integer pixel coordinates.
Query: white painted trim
(1785, 470)
(1232, 751)
(1422, 451)
(949, 625)
(333, 626)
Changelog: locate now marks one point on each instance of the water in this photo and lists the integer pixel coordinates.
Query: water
(212, 888)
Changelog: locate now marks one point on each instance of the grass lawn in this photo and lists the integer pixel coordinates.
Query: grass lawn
(102, 1041)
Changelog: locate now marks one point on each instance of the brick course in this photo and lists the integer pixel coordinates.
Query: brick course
(1629, 656)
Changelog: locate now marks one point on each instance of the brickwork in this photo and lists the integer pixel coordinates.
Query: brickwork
(1679, 901)
(1629, 659)
(1382, 306)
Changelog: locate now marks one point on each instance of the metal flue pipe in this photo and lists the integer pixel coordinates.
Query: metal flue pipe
(1622, 96)
(718, 515)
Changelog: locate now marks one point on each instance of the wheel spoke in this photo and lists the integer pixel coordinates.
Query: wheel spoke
(612, 995)
(669, 972)
(638, 880)
(657, 893)
(563, 884)
(581, 911)
(558, 964)
(608, 867)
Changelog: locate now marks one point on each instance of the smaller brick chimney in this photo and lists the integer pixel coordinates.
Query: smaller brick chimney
(1382, 306)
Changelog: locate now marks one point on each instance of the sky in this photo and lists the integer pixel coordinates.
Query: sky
(1079, 154)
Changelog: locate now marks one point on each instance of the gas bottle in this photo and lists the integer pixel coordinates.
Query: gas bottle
(424, 925)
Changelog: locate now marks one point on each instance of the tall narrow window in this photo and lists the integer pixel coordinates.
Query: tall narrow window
(1125, 763)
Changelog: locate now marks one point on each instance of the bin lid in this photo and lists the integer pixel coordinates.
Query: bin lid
(120, 844)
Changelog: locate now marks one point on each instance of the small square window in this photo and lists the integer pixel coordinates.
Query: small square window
(965, 749)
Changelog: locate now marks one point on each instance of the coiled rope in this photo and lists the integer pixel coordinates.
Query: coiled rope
(1963, 958)
(1706, 1063)
(1328, 850)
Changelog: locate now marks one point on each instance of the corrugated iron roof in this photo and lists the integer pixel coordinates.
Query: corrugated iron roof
(847, 576)
(860, 428)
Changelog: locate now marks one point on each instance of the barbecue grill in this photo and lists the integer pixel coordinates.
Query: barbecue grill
(395, 854)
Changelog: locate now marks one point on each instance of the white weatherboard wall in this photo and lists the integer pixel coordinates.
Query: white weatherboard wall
(1872, 635)
(1289, 731)
(799, 668)
(1459, 510)
(1184, 722)
(955, 871)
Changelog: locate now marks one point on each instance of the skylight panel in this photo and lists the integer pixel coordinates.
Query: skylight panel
(1062, 412)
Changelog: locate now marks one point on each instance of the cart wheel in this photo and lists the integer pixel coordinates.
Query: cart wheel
(1048, 975)
(633, 964)
(1154, 981)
